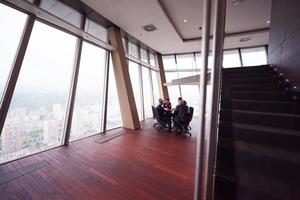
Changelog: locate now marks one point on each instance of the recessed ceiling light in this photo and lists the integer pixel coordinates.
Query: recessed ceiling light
(185, 20)
(246, 39)
(236, 2)
(268, 21)
(149, 28)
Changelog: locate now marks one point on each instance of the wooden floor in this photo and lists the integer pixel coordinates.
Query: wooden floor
(139, 165)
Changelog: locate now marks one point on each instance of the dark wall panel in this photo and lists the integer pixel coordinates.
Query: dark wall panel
(284, 44)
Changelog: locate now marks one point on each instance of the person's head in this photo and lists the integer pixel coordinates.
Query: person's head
(184, 102)
(160, 101)
(179, 100)
(167, 100)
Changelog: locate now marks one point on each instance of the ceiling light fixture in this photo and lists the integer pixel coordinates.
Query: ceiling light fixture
(268, 21)
(149, 28)
(185, 20)
(246, 39)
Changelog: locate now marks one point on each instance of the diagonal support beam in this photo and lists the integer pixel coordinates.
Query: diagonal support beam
(125, 93)
(14, 74)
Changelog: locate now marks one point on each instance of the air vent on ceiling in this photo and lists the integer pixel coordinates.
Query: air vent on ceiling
(149, 28)
(246, 39)
(236, 2)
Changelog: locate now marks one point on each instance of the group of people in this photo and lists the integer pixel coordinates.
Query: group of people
(169, 114)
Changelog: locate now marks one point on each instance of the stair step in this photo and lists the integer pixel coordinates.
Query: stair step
(267, 96)
(259, 183)
(248, 69)
(263, 106)
(262, 150)
(279, 120)
(254, 80)
(269, 136)
(271, 162)
(252, 74)
(226, 189)
(256, 87)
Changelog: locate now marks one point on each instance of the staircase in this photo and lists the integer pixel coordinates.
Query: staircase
(259, 138)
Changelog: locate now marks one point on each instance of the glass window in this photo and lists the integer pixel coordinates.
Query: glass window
(134, 71)
(113, 106)
(133, 49)
(96, 30)
(170, 76)
(156, 92)
(147, 90)
(169, 62)
(152, 60)
(191, 94)
(12, 23)
(62, 11)
(185, 61)
(36, 115)
(185, 74)
(174, 93)
(199, 61)
(87, 116)
(231, 58)
(144, 55)
(254, 56)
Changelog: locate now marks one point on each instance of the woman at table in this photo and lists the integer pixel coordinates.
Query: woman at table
(167, 104)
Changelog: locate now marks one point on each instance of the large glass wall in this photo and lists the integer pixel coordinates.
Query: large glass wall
(254, 56)
(147, 91)
(231, 58)
(113, 107)
(156, 92)
(37, 113)
(35, 118)
(12, 23)
(134, 71)
(87, 116)
(144, 80)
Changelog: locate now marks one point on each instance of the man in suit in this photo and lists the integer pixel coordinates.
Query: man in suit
(164, 117)
(180, 110)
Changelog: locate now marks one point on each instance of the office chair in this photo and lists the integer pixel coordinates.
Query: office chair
(156, 124)
(185, 122)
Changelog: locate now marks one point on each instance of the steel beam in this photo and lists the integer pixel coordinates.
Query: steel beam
(15, 71)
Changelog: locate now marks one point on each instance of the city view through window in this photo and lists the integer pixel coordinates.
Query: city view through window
(36, 116)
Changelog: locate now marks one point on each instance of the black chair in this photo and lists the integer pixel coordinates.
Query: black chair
(191, 111)
(185, 122)
(162, 121)
(155, 125)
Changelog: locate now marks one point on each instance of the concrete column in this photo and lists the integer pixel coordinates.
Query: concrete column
(125, 93)
(161, 78)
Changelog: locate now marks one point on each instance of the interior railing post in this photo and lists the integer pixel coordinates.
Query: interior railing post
(216, 81)
(199, 184)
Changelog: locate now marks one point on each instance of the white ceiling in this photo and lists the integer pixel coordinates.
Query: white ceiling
(169, 15)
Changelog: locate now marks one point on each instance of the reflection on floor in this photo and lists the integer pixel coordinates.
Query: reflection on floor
(139, 165)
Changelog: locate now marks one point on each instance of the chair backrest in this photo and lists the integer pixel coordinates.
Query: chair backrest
(191, 111)
(154, 112)
(186, 118)
(158, 117)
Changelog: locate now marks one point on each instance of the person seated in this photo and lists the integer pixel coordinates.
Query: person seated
(160, 109)
(164, 116)
(180, 110)
(167, 104)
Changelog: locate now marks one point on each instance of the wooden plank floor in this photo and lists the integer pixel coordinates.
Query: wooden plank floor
(139, 165)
